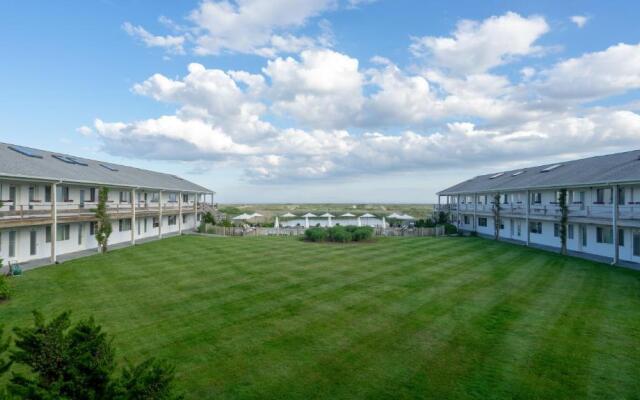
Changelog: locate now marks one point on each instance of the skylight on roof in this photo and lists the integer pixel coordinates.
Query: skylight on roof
(551, 167)
(69, 159)
(25, 151)
(109, 167)
(499, 174)
(518, 173)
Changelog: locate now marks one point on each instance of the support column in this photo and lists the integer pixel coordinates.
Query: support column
(614, 225)
(475, 212)
(54, 223)
(458, 213)
(133, 217)
(160, 214)
(180, 213)
(526, 220)
(195, 208)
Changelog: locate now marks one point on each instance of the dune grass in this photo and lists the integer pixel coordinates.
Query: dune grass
(401, 317)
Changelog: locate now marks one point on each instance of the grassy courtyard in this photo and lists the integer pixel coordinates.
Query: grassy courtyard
(401, 318)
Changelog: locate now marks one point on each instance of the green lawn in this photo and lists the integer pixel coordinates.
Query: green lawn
(402, 318)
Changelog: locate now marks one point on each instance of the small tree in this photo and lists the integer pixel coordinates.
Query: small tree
(60, 361)
(564, 218)
(496, 215)
(104, 227)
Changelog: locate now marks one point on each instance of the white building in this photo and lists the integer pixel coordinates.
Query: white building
(603, 200)
(49, 199)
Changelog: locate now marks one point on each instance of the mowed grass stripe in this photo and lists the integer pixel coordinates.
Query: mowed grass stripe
(401, 317)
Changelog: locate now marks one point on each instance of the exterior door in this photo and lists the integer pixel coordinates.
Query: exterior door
(33, 243)
(583, 237)
(81, 198)
(12, 243)
(511, 227)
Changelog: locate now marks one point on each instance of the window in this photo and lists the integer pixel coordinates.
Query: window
(62, 193)
(125, 197)
(466, 219)
(92, 195)
(621, 237)
(184, 218)
(604, 235)
(92, 228)
(570, 232)
(636, 244)
(139, 224)
(185, 198)
(173, 198)
(536, 197)
(621, 197)
(535, 227)
(33, 193)
(25, 151)
(499, 174)
(505, 199)
(156, 222)
(80, 226)
(63, 232)
(47, 234)
(47, 194)
(33, 242)
(171, 220)
(501, 224)
(124, 224)
(482, 221)
(109, 167)
(12, 243)
(556, 230)
(519, 227)
(145, 224)
(155, 197)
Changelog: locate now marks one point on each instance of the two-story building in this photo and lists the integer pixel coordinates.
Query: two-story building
(603, 204)
(48, 203)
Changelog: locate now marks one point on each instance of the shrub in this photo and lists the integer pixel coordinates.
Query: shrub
(315, 234)
(5, 290)
(362, 233)
(339, 234)
(450, 229)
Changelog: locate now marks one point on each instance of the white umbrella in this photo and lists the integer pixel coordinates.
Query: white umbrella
(288, 215)
(394, 215)
(255, 215)
(306, 219)
(241, 217)
(367, 216)
(406, 217)
(348, 215)
(328, 216)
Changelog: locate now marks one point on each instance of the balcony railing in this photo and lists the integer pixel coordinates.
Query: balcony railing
(599, 211)
(38, 210)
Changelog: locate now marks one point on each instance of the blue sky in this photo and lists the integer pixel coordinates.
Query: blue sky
(324, 100)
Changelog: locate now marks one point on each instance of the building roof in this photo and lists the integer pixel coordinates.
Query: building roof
(29, 163)
(592, 171)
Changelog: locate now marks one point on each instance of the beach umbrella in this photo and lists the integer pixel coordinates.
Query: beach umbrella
(395, 216)
(306, 219)
(288, 215)
(256, 215)
(406, 217)
(349, 215)
(328, 216)
(367, 216)
(241, 217)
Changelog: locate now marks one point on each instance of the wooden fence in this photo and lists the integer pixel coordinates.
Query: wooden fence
(299, 230)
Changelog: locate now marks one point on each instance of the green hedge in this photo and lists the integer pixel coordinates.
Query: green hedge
(339, 234)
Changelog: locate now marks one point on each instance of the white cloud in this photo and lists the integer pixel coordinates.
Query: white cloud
(476, 47)
(85, 130)
(251, 26)
(172, 44)
(323, 88)
(318, 115)
(594, 75)
(579, 20)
